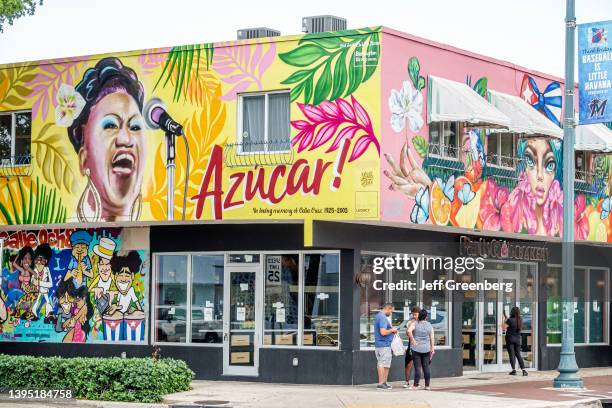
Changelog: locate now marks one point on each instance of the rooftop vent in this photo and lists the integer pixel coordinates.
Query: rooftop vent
(258, 32)
(320, 24)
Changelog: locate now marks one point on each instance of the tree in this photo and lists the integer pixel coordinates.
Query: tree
(13, 9)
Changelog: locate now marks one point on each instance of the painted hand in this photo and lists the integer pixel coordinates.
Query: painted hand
(409, 177)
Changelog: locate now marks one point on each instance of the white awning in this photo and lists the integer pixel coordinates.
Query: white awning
(523, 117)
(451, 101)
(596, 138)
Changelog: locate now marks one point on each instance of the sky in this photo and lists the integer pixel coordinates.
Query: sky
(529, 33)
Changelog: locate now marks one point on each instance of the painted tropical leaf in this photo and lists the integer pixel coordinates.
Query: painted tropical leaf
(480, 86)
(179, 67)
(414, 72)
(46, 83)
(25, 201)
(152, 59)
(204, 129)
(332, 67)
(335, 122)
(13, 93)
(53, 155)
(242, 66)
(420, 145)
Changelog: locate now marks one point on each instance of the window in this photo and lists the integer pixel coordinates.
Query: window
(15, 135)
(264, 124)
(437, 303)
(444, 139)
(171, 300)
(281, 299)
(582, 166)
(321, 299)
(207, 299)
(590, 305)
(501, 149)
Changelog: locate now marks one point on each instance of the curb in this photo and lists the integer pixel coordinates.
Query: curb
(82, 403)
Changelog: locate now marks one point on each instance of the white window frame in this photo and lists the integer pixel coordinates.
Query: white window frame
(240, 123)
(441, 146)
(11, 160)
(587, 317)
(225, 254)
(586, 156)
(419, 274)
(499, 136)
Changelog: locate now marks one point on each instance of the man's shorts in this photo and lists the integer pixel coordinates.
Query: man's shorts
(383, 357)
(408, 357)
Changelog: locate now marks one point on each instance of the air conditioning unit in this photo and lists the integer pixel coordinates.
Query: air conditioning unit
(320, 24)
(258, 32)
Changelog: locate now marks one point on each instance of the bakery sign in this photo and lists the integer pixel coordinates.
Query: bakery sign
(502, 249)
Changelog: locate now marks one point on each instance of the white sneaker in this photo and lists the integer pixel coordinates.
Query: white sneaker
(427, 388)
(406, 384)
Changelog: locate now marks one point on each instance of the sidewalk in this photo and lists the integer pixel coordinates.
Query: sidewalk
(479, 390)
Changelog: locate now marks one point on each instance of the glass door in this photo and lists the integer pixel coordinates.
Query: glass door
(242, 314)
(494, 307)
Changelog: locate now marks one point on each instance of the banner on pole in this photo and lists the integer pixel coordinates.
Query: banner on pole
(595, 72)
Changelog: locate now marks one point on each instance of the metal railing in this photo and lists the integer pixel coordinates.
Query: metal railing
(16, 166)
(260, 153)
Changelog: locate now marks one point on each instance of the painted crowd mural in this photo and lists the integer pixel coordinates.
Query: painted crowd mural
(77, 286)
(425, 187)
(307, 133)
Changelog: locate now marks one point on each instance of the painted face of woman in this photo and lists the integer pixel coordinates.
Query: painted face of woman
(540, 164)
(114, 151)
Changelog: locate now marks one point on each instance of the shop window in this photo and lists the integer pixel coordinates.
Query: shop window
(171, 300)
(15, 136)
(207, 299)
(321, 299)
(281, 299)
(264, 124)
(501, 149)
(597, 313)
(437, 302)
(582, 167)
(590, 305)
(444, 139)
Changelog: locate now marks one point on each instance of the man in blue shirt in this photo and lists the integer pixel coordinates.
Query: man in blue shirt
(383, 336)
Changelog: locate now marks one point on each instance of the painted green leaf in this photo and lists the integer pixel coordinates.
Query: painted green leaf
(414, 67)
(323, 86)
(421, 83)
(340, 79)
(481, 87)
(420, 145)
(332, 67)
(296, 91)
(304, 55)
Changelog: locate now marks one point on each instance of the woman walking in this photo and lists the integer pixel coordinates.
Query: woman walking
(421, 336)
(513, 326)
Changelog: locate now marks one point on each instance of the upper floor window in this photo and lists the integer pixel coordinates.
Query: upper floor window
(444, 139)
(501, 149)
(15, 136)
(264, 122)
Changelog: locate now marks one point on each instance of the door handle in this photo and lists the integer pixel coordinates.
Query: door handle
(224, 337)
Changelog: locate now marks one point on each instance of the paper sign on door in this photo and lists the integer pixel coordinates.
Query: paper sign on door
(244, 287)
(208, 314)
(490, 308)
(406, 313)
(507, 310)
(434, 314)
(280, 315)
(240, 314)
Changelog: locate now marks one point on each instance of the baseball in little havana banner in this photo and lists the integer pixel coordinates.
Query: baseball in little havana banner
(72, 286)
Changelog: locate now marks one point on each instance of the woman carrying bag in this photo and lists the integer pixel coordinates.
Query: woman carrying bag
(421, 336)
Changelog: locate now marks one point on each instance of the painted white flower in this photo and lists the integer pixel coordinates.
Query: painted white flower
(407, 104)
(70, 103)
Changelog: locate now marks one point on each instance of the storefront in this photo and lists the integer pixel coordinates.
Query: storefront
(302, 159)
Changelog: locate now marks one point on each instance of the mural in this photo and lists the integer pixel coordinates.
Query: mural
(69, 285)
(466, 191)
(93, 158)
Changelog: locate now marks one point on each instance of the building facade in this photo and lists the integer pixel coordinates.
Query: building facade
(245, 244)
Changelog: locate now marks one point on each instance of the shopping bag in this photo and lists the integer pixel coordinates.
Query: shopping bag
(397, 346)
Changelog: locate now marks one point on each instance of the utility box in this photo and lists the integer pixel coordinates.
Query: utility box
(320, 24)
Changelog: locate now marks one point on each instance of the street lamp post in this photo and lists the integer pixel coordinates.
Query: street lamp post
(568, 369)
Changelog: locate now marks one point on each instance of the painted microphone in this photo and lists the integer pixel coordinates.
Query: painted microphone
(157, 117)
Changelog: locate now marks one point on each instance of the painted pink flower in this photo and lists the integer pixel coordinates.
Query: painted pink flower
(552, 214)
(581, 221)
(493, 199)
(518, 211)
